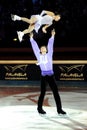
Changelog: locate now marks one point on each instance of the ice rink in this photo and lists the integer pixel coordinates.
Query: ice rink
(19, 112)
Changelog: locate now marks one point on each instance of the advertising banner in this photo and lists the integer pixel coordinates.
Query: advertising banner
(19, 72)
(32, 72)
(71, 72)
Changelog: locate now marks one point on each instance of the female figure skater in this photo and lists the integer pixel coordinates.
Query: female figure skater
(46, 18)
(44, 57)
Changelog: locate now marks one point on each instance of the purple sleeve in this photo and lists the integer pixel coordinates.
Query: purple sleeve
(50, 45)
(35, 47)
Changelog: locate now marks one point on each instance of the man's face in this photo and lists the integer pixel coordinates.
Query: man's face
(43, 50)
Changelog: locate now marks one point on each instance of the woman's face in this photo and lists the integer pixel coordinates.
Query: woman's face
(57, 17)
(43, 50)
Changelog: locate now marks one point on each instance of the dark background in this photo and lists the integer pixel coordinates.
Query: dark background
(71, 30)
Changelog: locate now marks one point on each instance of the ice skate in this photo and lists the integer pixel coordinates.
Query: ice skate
(20, 35)
(15, 17)
(61, 112)
(41, 111)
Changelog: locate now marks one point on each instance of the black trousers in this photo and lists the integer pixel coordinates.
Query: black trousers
(52, 83)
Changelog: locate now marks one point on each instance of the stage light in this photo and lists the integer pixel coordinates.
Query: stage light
(14, 39)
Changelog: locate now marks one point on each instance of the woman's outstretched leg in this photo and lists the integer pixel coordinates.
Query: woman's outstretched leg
(26, 31)
(30, 21)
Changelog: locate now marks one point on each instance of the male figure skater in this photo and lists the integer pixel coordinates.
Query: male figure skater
(44, 57)
(46, 18)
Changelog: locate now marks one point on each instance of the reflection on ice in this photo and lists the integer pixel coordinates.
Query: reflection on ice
(26, 118)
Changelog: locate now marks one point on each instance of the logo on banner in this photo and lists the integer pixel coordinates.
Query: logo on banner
(72, 72)
(16, 72)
